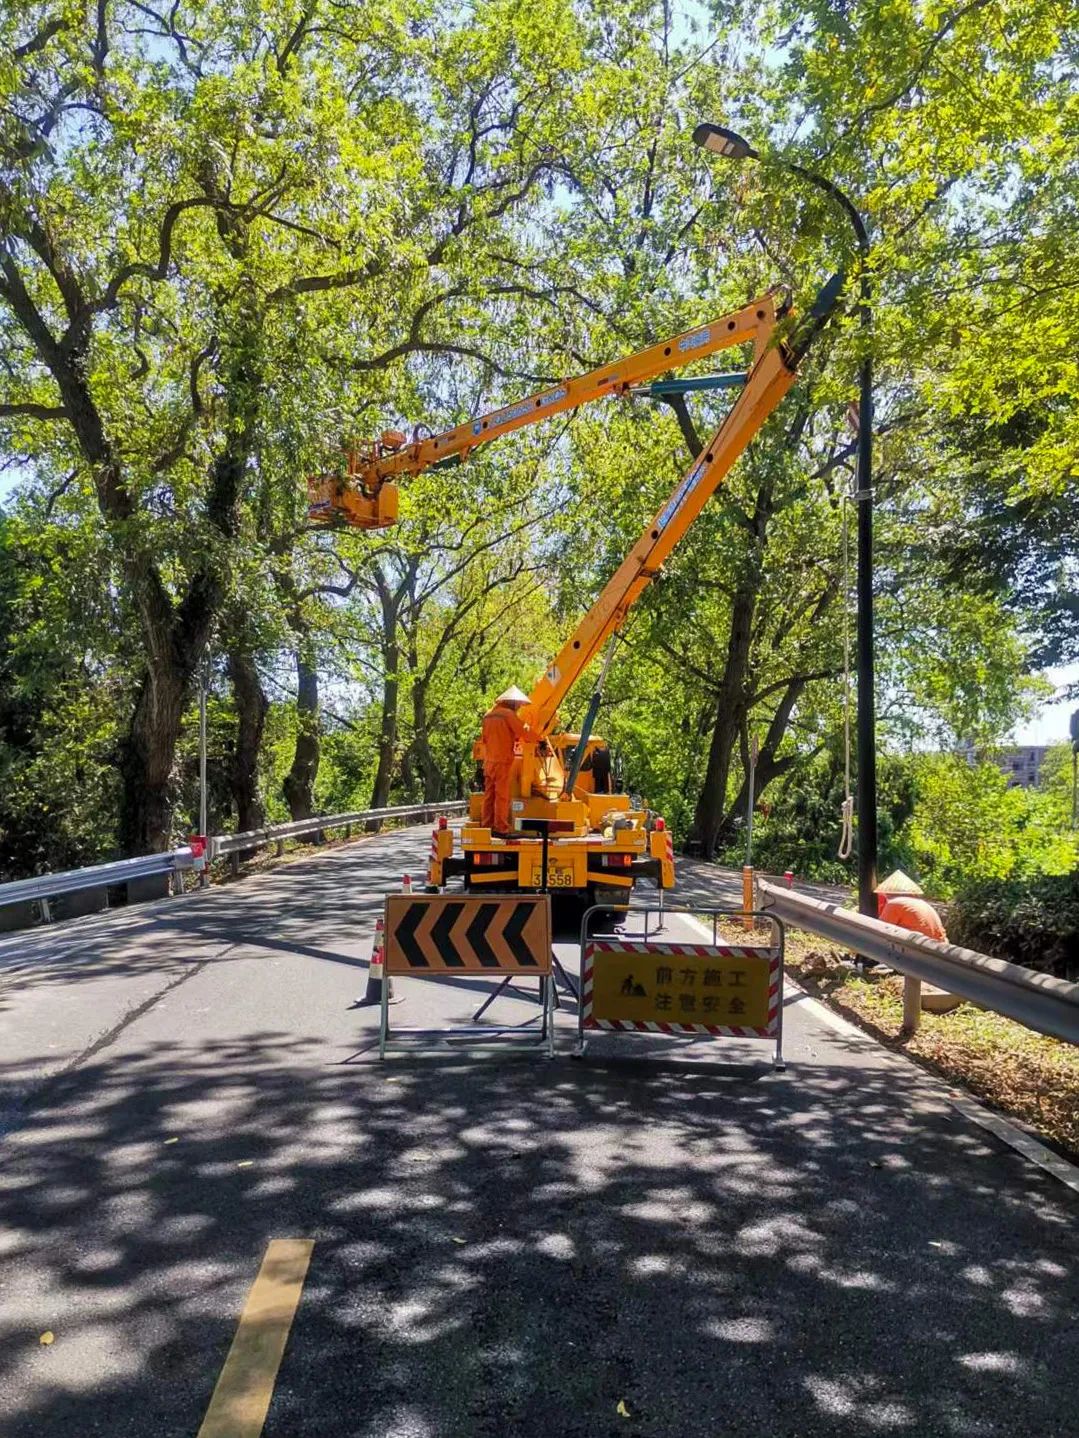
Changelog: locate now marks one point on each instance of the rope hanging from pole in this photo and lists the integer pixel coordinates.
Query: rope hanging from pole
(846, 835)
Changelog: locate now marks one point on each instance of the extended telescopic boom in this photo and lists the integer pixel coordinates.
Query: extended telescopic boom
(773, 372)
(366, 496)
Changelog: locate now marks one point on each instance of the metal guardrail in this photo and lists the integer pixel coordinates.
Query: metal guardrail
(44, 887)
(222, 844)
(1040, 1001)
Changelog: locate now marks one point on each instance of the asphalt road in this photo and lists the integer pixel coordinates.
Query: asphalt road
(502, 1245)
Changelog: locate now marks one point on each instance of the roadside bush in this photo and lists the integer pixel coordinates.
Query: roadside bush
(802, 827)
(1031, 920)
(969, 827)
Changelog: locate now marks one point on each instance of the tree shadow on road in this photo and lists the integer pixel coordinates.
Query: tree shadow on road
(506, 1246)
(315, 902)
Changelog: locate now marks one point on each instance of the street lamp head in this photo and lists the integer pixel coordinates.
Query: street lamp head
(721, 141)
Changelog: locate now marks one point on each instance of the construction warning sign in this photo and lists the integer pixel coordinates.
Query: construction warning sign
(682, 988)
(428, 934)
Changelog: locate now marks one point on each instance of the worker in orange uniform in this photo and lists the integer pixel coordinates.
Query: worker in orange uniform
(502, 731)
(907, 911)
(900, 902)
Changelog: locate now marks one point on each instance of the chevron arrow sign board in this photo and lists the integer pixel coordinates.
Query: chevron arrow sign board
(429, 934)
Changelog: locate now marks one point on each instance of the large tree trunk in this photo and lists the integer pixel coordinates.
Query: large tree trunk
(391, 690)
(769, 766)
(251, 708)
(387, 734)
(733, 695)
(174, 628)
(174, 635)
(147, 756)
(299, 785)
(421, 744)
(730, 716)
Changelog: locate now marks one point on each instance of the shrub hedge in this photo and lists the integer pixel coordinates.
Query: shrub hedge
(1032, 920)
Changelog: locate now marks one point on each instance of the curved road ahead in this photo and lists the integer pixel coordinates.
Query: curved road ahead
(502, 1245)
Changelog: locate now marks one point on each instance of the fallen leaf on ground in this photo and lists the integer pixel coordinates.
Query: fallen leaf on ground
(458, 1240)
(172, 1140)
(245, 1163)
(623, 1409)
(47, 1337)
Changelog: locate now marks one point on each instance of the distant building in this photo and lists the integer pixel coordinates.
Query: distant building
(1021, 765)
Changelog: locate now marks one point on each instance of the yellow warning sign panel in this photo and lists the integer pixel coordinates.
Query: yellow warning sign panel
(430, 934)
(674, 987)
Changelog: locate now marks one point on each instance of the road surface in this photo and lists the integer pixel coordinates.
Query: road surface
(668, 1239)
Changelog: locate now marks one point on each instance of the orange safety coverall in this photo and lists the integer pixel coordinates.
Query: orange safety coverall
(501, 730)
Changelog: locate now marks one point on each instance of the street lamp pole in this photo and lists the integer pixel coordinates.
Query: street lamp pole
(204, 684)
(732, 146)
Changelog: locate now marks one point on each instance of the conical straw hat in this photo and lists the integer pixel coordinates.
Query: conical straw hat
(512, 695)
(899, 883)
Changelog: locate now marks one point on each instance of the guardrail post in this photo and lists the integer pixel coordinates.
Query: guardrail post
(280, 847)
(348, 832)
(46, 912)
(234, 863)
(912, 1003)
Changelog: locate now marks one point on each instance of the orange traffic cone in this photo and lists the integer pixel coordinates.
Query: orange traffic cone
(376, 975)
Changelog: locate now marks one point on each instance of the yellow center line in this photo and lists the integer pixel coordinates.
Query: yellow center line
(242, 1397)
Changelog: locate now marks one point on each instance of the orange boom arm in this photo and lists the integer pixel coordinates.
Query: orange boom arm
(774, 370)
(365, 497)
(771, 376)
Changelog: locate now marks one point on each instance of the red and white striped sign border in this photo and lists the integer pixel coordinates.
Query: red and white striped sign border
(702, 951)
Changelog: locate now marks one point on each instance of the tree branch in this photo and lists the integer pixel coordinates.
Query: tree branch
(40, 40)
(317, 284)
(295, 40)
(34, 411)
(61, 489)
(159, 270)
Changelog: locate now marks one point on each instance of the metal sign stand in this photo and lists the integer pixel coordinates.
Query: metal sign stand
(475, 1033)
(440, 935)
(558, 974)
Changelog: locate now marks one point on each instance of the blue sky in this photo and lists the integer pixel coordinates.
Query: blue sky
(1051, 724)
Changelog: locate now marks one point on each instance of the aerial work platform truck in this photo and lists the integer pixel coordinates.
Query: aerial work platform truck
(600, 845)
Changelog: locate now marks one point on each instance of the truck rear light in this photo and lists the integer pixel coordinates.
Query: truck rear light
(483, 861)
(619, 861)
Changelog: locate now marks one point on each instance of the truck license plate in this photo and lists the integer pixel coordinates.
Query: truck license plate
(558, 876)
